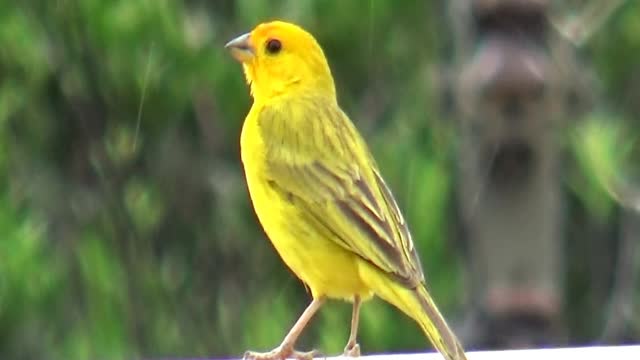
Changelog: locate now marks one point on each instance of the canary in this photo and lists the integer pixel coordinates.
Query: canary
(318, 192)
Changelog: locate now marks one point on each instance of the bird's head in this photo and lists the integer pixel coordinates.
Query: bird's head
(280, 57)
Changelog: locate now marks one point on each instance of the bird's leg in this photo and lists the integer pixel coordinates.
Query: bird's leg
(353, 348)
(286, 350)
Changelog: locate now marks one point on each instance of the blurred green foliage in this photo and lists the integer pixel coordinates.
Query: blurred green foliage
(126, 227)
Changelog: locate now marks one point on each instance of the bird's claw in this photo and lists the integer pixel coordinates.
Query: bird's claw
(352, 350)
(281, 353)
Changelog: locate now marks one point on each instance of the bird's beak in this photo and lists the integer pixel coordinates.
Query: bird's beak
(241, 48)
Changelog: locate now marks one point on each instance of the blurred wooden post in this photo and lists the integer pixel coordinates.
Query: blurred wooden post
(511, 98)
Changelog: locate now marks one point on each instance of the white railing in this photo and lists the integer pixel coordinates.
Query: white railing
(631, 352)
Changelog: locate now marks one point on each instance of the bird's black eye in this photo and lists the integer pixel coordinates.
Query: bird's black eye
(273, 46)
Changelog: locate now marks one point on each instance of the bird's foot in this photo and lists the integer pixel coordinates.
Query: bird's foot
(352, 350)
(281, 353)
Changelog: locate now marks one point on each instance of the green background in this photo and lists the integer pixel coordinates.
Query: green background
(126, 229)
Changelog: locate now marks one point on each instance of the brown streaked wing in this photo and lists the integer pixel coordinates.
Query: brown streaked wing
(338, 189)
(408, 246)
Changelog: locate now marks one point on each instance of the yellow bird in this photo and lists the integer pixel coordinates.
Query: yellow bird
(318, 193)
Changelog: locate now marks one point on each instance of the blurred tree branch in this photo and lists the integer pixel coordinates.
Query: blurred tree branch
(592, 16)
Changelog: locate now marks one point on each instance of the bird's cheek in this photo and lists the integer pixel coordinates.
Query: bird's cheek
(249, 72)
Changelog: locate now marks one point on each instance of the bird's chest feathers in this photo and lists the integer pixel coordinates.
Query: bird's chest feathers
(285, 120)
(252, 146)
(271, 205)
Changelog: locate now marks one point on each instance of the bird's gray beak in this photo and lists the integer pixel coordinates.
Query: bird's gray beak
(241, 48)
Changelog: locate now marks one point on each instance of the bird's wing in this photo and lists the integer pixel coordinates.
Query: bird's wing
(316, 160)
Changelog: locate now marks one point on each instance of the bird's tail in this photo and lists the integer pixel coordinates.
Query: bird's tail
(434, 325)
(417, 303)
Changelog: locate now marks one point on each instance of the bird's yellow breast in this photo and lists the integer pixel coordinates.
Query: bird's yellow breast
(326, 267)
